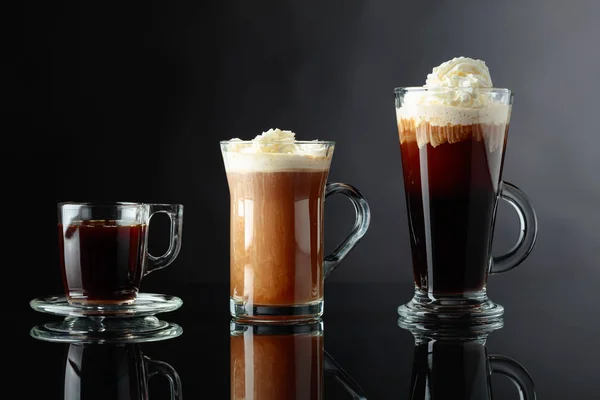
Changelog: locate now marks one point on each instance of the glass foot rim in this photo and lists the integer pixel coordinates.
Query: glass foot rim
(293, 314)
(146, 304)
(474, 311)
(83, 330)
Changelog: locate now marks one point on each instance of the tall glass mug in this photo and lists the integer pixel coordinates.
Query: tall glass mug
(452, 159)
(277, 195)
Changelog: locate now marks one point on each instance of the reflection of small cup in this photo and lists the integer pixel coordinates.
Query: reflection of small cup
(277, 263)
(111, 371)
(104, 249)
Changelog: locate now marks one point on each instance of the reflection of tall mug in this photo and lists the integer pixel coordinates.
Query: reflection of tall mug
(115, 372)
(454, 363)
(276, 362)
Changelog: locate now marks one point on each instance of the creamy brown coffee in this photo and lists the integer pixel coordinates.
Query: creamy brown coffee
(276, 367)
(276, 189)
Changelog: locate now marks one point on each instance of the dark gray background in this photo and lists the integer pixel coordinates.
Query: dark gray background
(129, 102)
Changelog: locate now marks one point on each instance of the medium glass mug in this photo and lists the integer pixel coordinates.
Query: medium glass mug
(283, 361)
(103, 249)
(452, 160)
(277, 266)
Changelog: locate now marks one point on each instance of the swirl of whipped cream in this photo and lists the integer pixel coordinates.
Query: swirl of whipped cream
(460, 72)
(274, 150)
(455, 94)
(455, 83)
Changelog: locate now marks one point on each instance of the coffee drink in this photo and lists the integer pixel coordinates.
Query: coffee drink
(114, 371)
(452, 141)
(102, 260)
(276, 238)
(277, 366)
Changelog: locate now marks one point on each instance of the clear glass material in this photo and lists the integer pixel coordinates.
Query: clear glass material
(114, 371)
(103, 249)
(452, 161)
(283, 361)
(454, 362)
(106, 324)
(277, 263)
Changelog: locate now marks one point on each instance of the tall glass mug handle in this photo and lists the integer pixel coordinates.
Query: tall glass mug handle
(516, 198)
(162, 368)
(175, 213)
(516, 373)
(361, 224)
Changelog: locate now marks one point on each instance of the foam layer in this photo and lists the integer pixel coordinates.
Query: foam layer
(421, 109)
(275, 150)
(425, 133)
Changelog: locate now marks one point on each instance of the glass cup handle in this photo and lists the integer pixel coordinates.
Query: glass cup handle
(175, 213)
(516, 373)
(516, 198)
(162, 368)
(361, 224)
(330, 366)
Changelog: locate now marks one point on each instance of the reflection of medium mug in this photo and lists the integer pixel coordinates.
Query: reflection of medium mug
(104, 249)
(277, 267)
(452, 160)
(460, 368)
(113, 371)
(282, 361)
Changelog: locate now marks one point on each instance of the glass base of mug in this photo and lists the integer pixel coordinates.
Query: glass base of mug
(472, 308)
(267, 313)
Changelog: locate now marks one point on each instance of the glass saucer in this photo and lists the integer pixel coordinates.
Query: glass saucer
(106, 330)
(146, 304)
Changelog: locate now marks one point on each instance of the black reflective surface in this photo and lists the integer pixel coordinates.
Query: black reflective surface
(359, 349)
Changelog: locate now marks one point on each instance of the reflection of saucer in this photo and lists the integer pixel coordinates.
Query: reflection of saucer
(106, 330)
(146, 304)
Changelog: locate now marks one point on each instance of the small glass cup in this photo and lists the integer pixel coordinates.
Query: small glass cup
(114, 371)
(277, 265)
(103, 249)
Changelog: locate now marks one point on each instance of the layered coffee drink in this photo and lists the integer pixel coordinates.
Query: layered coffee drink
(276, 186)
(453, 133)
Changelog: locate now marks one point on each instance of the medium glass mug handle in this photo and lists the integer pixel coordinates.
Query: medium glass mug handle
(175, 214)
(516, 373)
(361, 224)
(330, 366)
(516, 198)
(162, 368)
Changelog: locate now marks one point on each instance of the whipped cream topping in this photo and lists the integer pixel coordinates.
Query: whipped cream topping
(276, 150)
(455, 94)
(460, 72)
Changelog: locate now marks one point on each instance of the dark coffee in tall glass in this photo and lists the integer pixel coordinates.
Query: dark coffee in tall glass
(451, 184)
